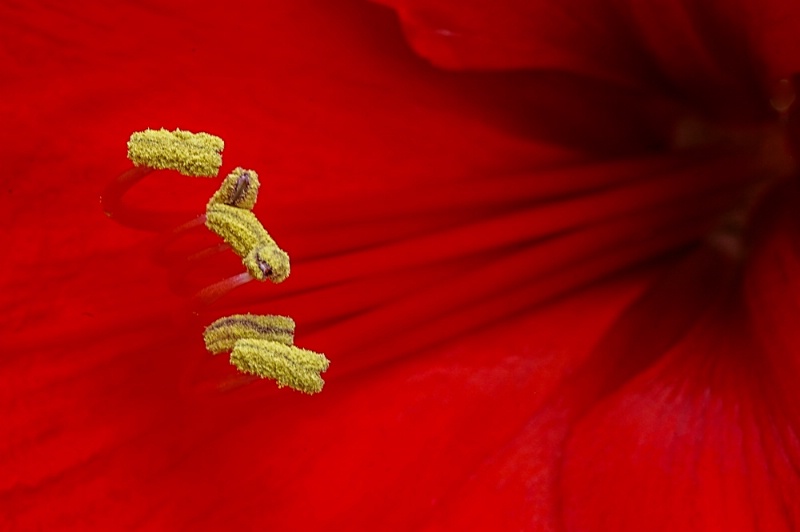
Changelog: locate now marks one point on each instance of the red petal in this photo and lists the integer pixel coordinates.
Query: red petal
(592, 39)
(707, 439)
(520, 480)
(699, 442)
(374, 164)
(106, 426)
(723, 58)
(383, 449)
(773, 289)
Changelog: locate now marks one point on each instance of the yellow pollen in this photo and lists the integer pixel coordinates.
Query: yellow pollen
(192, 154)
(242, 231)
(221, 336)
(238, 189)
(288, 365)
(267, 261)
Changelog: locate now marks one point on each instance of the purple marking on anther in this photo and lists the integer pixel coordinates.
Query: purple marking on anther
(265, 268)
(242, 184)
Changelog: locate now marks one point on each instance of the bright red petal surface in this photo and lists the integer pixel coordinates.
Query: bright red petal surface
(421, 244)
(380, 449)
(108, 423)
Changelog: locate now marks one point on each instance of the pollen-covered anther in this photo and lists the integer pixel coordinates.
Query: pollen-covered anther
(239, 189)
(267, 261)
(191, 154)
(287, 365)
(242, 231)
(222, 335)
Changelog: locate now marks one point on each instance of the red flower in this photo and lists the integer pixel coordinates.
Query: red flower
(554, 278)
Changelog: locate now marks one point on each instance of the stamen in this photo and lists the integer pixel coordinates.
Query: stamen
(112, 203)
(191, 154)
(260, 345)
(267, 261)
(239, 189)
(211, 293)
(288, 365)
(238, 227)
(241, 230)
(164, 252)
(222, 335)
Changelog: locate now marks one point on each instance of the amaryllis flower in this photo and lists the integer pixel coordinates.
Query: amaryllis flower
(550, 251)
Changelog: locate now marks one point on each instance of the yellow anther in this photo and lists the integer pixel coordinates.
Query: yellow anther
(239, 228)
(192, 154)
(238, 189)
(221, 335)
(242, 231)
(267, 261)
(288, 365)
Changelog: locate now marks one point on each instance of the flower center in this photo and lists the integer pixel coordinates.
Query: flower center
(767, 152)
